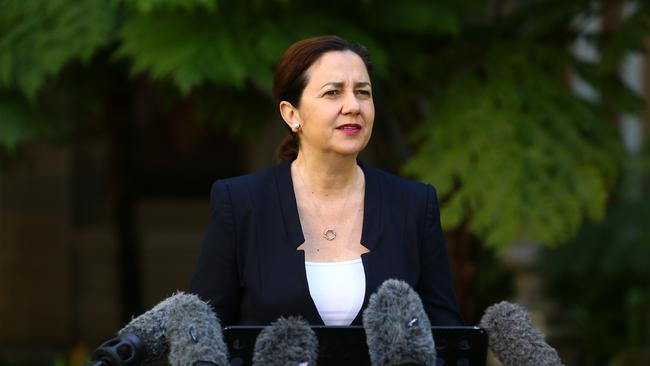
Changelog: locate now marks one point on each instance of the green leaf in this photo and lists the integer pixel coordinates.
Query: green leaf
(629, 36)
(189, 49)
(19, 122)
(515, 154)
(37, 38)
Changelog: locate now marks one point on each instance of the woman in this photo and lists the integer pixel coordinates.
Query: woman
(317, 234)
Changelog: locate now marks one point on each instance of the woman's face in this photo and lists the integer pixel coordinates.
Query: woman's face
(336, 111)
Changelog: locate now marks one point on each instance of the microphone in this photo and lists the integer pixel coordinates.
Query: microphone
(286, 342)
(194, 334)
(514, 339)
(141, 342)
(144, 341)
(398, 331)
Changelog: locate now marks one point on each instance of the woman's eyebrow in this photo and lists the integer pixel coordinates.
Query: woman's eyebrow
(339, 84)
(336, 84)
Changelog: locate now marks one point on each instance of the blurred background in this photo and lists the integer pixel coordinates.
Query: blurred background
(530, 117)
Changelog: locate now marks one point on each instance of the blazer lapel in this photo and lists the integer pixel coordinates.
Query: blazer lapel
(372, 222)
(288, 204)
(295, 237)
(370, 234)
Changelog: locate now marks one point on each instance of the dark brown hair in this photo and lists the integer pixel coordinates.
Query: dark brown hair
(290, 80)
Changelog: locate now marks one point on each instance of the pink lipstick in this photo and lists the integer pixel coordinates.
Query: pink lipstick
(350, 129)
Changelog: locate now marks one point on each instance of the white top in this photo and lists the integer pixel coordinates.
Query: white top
(338, 289)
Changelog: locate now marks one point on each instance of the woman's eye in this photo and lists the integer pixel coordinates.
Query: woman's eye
(332, 93)
(363, 92)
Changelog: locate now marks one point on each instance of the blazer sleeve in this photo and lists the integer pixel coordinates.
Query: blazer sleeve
(435, 285)
(216, 276)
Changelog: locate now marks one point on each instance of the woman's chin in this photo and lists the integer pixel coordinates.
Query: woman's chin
(351, 150)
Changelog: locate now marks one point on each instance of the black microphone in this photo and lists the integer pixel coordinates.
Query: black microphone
(286, 342)
(514, 339)
(194, 334)
(398, 331)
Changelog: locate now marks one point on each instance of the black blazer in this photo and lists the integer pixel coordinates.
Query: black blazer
(249, 269)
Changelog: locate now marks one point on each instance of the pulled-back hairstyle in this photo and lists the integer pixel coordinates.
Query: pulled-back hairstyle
(290, 77)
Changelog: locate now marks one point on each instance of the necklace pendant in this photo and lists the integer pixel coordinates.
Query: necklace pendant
(329, 235)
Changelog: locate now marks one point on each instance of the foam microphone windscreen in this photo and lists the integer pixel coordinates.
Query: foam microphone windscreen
(398, 331)
(286, 342)
(194, 334)
(514, 339)
(150, 329)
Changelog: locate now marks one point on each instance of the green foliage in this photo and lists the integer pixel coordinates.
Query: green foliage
(550, 19)
(417, 17)
(630, 35)
(191, 49)
(147, 6)
(221, 107)
(513, 152)
(604, 75)
(226, 48)
(602, 278)
(241, 41)
(19, 122)
(37, 38)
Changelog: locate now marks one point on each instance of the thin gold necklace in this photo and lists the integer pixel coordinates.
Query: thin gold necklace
(329, 233)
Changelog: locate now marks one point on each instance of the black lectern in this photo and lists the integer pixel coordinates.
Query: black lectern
(462, 346)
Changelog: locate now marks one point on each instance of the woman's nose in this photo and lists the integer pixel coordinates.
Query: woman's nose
(350, 103)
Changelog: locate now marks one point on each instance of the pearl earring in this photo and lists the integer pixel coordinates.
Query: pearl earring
(296, 127)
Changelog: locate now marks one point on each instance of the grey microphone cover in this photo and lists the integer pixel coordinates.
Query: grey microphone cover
(194, 333)
(287, 341)
(397, 328)
(150, 329)
(514, 339)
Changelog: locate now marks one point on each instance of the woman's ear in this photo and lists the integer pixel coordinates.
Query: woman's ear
(290, 115)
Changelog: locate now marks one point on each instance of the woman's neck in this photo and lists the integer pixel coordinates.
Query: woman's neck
(327, 176)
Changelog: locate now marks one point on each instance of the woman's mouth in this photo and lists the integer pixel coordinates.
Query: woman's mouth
(350, 128)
